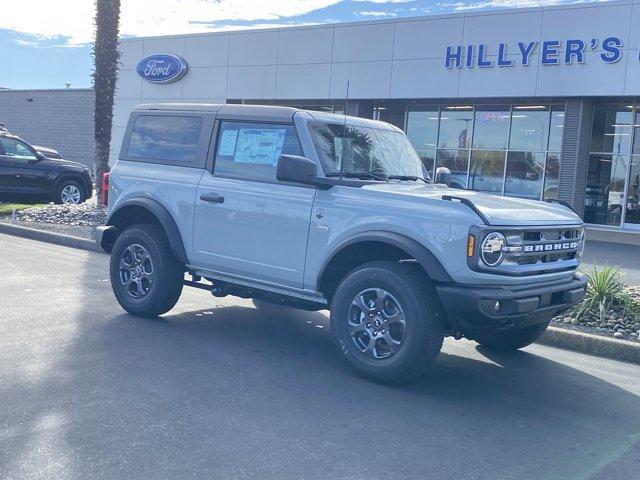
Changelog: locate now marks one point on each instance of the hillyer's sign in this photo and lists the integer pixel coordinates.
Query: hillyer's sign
(162, 68)
(551, 52)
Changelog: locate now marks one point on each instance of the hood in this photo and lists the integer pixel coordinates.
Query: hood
(498, 210)
(59, 162)
(47, 152)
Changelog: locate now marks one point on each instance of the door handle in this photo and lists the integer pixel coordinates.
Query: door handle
(212, 198)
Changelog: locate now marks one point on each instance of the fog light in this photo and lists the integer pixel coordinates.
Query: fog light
(497, 307)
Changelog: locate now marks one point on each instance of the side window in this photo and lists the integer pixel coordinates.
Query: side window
(172, 139)
(16, 149)
(251, 150)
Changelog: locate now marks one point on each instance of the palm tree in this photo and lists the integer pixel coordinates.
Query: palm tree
(106, 59)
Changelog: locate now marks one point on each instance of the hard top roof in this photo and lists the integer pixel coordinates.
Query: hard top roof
(264, 112)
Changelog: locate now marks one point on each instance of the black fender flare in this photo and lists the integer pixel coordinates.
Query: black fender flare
(422, 254)
(164, 218)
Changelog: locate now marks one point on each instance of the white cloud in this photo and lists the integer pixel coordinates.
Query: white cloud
(73, 19)
(384, 1)
(377, 14)
(459, 6)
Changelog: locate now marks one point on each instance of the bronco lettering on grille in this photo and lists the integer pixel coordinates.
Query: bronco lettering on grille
(550, 247)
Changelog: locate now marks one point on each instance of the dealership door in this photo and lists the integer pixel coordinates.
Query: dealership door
(247, 224)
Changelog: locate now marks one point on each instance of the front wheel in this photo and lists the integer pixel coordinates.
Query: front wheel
(145, 276)
(69, 192)
(387, 321)
(511, 340)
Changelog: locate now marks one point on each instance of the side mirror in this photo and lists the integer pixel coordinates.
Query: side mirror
(443, 175)
(39, 158)
(293, 168)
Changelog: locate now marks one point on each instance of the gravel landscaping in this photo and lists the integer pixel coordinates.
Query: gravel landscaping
(74, 220)
(618, 321)
(85, 214)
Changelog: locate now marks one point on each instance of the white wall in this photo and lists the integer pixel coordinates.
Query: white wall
(401, 58)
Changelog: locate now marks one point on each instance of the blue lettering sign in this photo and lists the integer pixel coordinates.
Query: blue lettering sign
(526, 49)
(469, 56)
(550, 52)
(613, 48)
(162, 68)
(502, 53)
(481, 60)
(457, 56)
(574, 49)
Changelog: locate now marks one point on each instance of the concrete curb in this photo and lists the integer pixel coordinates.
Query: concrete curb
(50, 237)
(591, 344)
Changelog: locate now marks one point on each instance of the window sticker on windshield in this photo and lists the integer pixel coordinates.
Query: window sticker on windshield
(260, 146)
(228, 142)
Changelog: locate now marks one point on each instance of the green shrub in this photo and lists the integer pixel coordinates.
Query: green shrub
(604, 290)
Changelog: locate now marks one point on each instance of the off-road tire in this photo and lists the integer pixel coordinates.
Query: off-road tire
(422, 310)
(512, 340)
(168, 272)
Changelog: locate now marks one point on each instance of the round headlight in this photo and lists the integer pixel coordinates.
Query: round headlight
(491, 249)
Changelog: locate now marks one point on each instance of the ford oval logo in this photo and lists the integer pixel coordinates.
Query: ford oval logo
(162, 68)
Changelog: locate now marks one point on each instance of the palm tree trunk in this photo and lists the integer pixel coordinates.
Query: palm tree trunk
(106, 59)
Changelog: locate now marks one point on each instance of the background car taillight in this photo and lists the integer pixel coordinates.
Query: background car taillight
(104, 190)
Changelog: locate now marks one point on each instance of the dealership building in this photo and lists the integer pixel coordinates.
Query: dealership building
(534, 103)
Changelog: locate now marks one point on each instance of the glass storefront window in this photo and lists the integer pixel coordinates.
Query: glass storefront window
(422, 128)
(456, 128)
(458, 162)
(605, 189)
(636, 138)
(632, 215)
(524, 175)
(390, 113)
(551, 176)
(491, 128)
(529, 128)
(486, 173)
(480, 143)
(428, 157)
(557, 128)
(612, 129)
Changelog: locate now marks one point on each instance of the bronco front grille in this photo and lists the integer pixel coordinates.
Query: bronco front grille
(535, 250)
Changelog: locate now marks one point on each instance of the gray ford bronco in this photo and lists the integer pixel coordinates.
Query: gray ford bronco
(321, 211)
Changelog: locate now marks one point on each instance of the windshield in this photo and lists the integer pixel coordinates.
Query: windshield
(364, 150)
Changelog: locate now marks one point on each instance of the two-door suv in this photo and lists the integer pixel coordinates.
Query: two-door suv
(316, 210)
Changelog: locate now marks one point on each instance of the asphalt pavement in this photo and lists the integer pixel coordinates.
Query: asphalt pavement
(625, 257)
(219, 389)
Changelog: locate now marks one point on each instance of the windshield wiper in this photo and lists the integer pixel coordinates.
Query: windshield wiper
(362, 175)
(407, 177)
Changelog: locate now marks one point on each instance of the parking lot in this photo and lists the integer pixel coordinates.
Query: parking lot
(220, 389)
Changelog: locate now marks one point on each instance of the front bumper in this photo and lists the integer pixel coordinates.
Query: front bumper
(104, 236)
(472, 309)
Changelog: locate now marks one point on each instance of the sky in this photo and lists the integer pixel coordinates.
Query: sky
(47, 43)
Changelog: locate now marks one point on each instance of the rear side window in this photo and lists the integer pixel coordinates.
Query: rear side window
(173, 139)
(251, 150)
(16, 149)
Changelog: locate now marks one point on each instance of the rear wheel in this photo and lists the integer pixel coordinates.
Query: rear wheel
(387, 321)
(69, 192)
(512, 340)
(145, 276)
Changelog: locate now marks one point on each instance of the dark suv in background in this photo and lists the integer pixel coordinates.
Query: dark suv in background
(26, 173)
